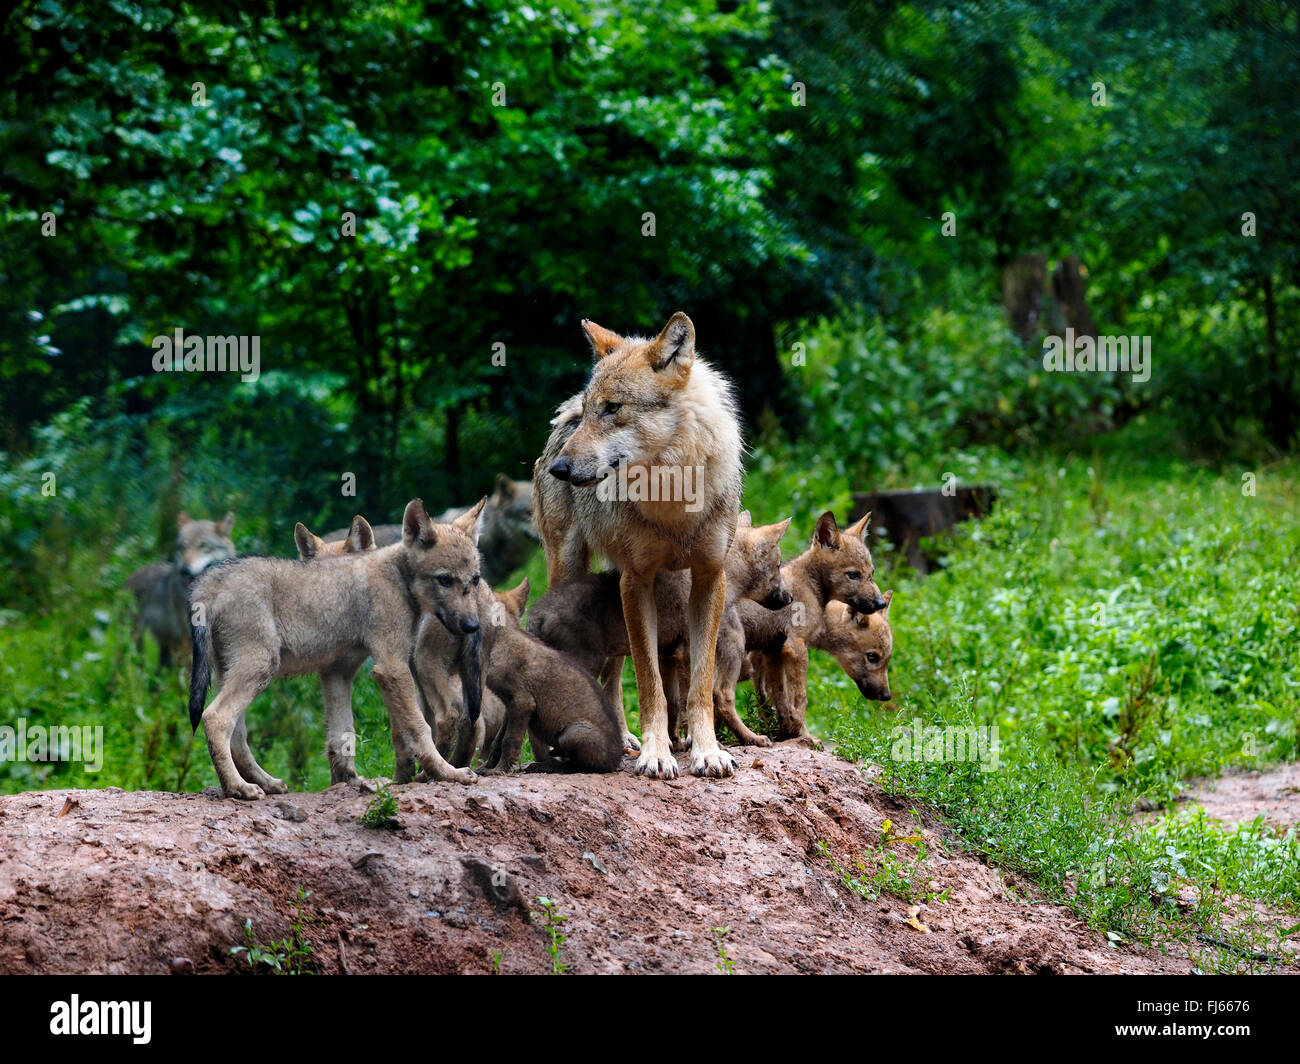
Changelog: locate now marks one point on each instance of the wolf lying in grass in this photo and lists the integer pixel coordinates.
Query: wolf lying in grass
(573, 726)
(507, 535)
(256, 619)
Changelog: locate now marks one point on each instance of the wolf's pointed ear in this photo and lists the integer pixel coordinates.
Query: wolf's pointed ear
(773, 533)
(674, 347)
(745, 519)
(602, 340)
(516, 599)
(889, 598)
(183, 519)
(416, 526)
(827, 532)
(470, 523)
(504, 487)
(226, 523)
(858, 530)
(361, 536)
(308, 545)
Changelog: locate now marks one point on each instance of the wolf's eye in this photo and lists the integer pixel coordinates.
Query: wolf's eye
(853, 574)
(873, 657)
(444, 580)
(612, 408)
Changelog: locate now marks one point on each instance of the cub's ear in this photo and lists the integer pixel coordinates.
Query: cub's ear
(361, 537)
(504, 488)
(602, 340)
(516, 599)
(416, 526)
(674, 348)
(827, 532)
(858, 530)
(183, 519)
(745, 520)
(772, 533)
(889, 598)
(308, 545)
(470, 523)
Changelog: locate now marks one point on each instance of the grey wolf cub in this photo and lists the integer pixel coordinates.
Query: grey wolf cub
(256, 619)
(777, 658)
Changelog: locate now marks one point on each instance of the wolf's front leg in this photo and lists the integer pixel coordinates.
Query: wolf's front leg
(611, 681)
(340, 738)
(704, 614)
(410, 729)
(656, 759)
(510, 740)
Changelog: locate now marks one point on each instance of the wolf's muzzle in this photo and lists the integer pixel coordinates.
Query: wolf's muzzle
(561, 468)
(866, 605)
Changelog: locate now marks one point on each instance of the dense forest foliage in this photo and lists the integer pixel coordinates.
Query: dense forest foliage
(385, 193)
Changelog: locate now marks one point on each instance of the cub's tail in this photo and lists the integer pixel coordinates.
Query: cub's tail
(200, 670)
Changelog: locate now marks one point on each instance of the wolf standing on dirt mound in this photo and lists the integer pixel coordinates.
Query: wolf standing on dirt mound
(651, 476)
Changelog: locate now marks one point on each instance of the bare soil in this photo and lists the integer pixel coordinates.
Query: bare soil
(643, 870)
(1239, 797)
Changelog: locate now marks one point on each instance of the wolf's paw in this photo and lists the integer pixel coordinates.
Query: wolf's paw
(342, 775)
(712, 763)
(760, 740)
(681, 743)
(631, 743)
(808, 740)
(246, 792)
(274, 786)
(657, 767)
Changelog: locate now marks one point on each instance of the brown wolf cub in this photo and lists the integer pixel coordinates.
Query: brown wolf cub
(777, 658)
(256, 619)
(655, 464)
(160, 587)
(551, 697)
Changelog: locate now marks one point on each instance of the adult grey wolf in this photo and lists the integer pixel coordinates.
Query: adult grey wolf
(654, 464)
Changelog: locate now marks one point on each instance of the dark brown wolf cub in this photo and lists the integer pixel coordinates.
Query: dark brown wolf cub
(551, 697)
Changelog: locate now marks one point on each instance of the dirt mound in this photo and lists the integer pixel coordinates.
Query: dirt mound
(643, 871)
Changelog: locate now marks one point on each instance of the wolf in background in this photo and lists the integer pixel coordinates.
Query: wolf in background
(160, 587)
